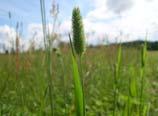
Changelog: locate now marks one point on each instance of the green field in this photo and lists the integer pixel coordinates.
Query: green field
(24, 88)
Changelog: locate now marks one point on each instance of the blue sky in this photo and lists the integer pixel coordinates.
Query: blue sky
(28, 11)
(103, 19)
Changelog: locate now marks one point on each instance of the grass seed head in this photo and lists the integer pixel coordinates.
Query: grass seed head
(78, 32)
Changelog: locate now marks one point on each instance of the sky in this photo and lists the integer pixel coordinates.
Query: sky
(104, 20)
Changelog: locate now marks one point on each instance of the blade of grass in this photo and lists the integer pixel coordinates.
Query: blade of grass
(71, 45)
(49, 56)
(116, 78)
(142, 70)
(79, 95)
(78, 89)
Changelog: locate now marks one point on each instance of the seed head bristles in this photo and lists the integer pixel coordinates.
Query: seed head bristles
(78, 32)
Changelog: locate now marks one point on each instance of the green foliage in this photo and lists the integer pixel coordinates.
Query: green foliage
(117, 78)
(142, 77)
(78, 89)
(132, 83)
(29, 95)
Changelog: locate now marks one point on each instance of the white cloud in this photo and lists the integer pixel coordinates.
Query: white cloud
(119, 6)
(133, 17)
(100, 13)
(103, 21)
(65, 26)
(97, 3)
(7, 35)
(8, 38)
(35, 34)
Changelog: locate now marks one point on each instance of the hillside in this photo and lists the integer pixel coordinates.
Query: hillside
(150, 45)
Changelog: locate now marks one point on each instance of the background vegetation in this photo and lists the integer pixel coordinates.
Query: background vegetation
(27, 94)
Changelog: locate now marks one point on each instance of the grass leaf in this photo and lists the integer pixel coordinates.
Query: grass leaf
(78, 89)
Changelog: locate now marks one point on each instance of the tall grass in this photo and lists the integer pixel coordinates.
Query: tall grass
(17, 50)
(63, 79)
(48, 48)
(79, 98)
(116, 80)
(43, 15)
(78, 48)
(29, 97)
(142, 79)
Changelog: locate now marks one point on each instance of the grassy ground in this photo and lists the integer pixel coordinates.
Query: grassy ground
(24, 90)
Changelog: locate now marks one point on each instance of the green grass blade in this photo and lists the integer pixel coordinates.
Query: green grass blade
(133, 85)
(116, 79)
(78, 89)
(118, 61)
(142, 71)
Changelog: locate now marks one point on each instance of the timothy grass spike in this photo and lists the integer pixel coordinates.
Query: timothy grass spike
(78, 32)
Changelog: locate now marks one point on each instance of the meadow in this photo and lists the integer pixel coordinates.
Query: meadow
(24, 88)
(75, 79)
